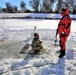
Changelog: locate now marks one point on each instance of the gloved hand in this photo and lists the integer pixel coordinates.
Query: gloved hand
(63, 34)
(55, 40)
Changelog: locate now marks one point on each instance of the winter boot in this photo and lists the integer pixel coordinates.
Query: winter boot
(62, 53)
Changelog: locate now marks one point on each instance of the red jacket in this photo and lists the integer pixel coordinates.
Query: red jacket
(64, 24)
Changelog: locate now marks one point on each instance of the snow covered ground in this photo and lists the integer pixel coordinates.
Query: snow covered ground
(18, 32)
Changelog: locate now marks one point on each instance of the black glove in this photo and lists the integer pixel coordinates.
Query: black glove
(55, 40)
(63, 34)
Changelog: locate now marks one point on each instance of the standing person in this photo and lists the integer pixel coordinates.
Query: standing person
(36, 44)
(63, 30)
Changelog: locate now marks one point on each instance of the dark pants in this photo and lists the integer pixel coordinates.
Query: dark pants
(63, 42)
(62, 45)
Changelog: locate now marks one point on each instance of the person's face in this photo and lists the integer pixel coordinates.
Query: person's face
(62, 12)
(37, 36)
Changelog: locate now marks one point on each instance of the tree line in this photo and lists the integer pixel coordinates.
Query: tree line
(46, 6)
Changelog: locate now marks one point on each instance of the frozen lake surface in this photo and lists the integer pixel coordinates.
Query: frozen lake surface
(18, 32)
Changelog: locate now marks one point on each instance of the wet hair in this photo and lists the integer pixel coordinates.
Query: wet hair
(35, 34)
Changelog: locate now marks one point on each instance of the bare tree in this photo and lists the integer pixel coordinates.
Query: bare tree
(15, 9)
(9, 7)
(23, 6)
(74, 9)
(67, 3)
(48, 5)
(59, 4)
(45, 5)
(34, 4)
(71, 5)
(51, 3)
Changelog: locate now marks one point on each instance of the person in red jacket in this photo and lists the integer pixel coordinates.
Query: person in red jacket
(63, 30)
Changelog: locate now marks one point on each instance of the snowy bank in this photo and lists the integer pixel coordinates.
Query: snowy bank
(32, 16)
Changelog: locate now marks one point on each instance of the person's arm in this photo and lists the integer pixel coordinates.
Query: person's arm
(67, 26)
(33, 43)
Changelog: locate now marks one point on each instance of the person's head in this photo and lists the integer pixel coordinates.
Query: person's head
(64, 11)
(36, 35)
